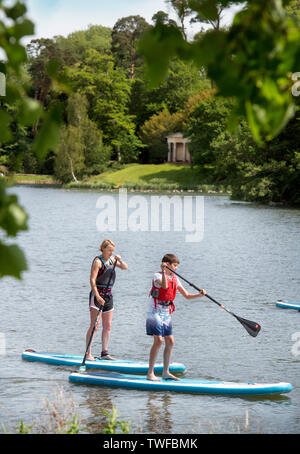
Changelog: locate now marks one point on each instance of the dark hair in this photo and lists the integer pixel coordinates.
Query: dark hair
(170, 258)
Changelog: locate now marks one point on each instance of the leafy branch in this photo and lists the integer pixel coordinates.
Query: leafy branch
(251, 62)
(17, 107)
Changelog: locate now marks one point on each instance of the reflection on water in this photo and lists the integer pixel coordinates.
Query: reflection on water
(158, 414)
(248, 258)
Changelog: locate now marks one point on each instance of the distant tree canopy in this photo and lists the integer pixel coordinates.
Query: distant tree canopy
(251, 61)
(73, 104)
(76, 104)
(125, 37)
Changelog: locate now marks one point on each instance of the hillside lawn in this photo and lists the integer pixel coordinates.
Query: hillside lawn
(139, 177)
(152, 177)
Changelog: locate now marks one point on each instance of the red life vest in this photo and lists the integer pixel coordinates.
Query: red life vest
(166, 295)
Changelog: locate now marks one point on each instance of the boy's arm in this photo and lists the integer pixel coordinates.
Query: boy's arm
(190, 296)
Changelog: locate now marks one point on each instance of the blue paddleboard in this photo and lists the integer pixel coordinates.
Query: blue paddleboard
(284, 304)
(129, 367)
(182, 386)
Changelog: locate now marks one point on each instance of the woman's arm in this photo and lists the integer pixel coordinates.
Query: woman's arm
(94, 273)
(120, 263)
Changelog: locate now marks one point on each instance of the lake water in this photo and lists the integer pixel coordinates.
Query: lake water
(248, 258)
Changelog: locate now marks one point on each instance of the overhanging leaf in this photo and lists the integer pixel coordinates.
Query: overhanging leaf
(12, 261)
(48, 136)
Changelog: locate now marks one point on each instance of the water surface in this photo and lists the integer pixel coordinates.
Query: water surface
(248, 258)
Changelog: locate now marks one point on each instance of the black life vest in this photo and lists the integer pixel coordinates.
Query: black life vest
(106, 274)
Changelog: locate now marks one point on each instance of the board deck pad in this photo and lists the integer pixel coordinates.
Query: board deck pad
(134, 367)
(183, 385)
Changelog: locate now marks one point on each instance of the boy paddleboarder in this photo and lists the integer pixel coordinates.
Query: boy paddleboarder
(160, 309)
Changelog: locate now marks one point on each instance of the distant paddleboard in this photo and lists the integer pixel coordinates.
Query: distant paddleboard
(288, 304)
(182, 386)
(129, 367)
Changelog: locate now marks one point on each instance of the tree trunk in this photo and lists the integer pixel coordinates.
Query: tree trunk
(72, 171)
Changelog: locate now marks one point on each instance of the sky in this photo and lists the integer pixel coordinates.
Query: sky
(62, 17)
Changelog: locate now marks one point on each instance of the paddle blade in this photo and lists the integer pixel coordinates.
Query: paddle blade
(252, 328)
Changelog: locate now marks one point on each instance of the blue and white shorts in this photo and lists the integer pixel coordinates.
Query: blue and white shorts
(159, 322)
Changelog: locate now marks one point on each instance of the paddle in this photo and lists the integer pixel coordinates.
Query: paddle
(82, 367)
(252, 328)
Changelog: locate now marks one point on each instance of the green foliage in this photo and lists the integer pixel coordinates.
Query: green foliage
(97, 75)
(159, 45)
(293, 10)
(23, 429)
(69, 161)
(207, 120)
(260, 174)
(75, 45)
(183, 11)
(13, 219)
(250, 62)
(183, 81)
(114, 423)
(20, 113)
(81, 149)
(125, 35)
(154, 133)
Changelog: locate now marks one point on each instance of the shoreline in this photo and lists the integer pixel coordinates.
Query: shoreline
(29, 180)
(204, 189)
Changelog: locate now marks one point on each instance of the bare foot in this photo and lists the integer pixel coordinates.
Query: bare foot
(90, 358)
(152, 377)
(170, 377)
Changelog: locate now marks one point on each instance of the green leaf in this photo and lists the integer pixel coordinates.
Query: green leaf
(159, 45)
(12, 261)
(49, 134)
(53, 67)
(24, 28)
(16, 55)
(29, 112)
(205, 8)
(13, 218)
(18, 10)
(5, 132)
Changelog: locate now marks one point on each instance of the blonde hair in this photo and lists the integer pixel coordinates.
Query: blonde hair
(106, 243)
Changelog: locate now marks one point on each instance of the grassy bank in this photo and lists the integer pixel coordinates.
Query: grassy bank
(139, 177)
(32, 179)
(157, 177)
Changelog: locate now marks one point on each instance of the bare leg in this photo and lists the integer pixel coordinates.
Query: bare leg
(152, 358)
(106, 329)
(169, 341)
(93, 315)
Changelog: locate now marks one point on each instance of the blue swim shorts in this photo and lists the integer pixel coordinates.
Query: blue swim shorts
(159, 323)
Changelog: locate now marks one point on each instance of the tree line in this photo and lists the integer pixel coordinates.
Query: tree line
(96, 81)
(73, 106)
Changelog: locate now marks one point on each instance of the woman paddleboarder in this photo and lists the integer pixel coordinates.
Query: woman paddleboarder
(102, 279)
(160, 308)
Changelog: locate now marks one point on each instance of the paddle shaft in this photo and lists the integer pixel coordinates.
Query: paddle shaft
(252, 328)
(196, 288)
(98, 315)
